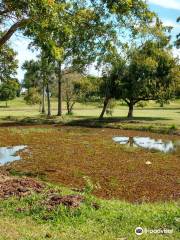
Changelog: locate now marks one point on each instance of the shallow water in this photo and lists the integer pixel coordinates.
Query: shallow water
(148, 143)
(8, 154)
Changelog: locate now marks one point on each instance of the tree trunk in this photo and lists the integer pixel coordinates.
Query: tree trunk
(12, 30)
(43, 99)
(71, 107)
(131, 108)
(68, 107)
(106, 101)
(48, 100)
(59, 91)
(6, 104)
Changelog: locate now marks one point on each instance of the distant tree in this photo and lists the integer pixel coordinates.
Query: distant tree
(73, 89)
(39, 75)
(151, 74)
(90, 86)
(32, 96)
(32, 78)
(9, 90)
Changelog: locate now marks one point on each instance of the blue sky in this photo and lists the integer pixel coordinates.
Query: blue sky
(168, 11)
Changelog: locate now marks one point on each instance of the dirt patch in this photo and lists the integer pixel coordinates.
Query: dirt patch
(72, 201)
(19, 187)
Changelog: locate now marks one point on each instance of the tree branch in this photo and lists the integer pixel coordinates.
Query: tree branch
(12, 30)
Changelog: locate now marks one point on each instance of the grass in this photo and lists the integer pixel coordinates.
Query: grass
(129, 193)
(150, 118)
(111, 221)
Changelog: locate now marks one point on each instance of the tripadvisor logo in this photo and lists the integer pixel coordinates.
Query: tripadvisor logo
(139, 231)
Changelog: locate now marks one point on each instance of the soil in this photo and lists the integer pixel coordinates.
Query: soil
(66, 154)
(19, 187)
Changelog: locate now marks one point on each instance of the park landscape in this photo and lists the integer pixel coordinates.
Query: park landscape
(89, 154)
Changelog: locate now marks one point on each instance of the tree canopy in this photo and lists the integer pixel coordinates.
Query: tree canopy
(150, 74)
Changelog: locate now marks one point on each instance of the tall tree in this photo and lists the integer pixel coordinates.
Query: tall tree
(83, 30)
(40, 74)
(151, 74)
(109, 85)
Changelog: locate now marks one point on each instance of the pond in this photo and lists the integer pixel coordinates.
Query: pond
(9, 154)
(148, 143)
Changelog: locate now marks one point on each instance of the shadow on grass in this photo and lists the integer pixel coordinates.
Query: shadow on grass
(137, 123)
(6, 107)
(157, 108)
(83, 120)
(29, 121)
(74, 120)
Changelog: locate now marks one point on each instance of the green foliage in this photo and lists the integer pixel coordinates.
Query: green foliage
(29, 16)
(32, 97)
(8, 63)
(173, 127)
(110, 107)
(151, 74)
(32, 76)
(141, 104)
(8, 90)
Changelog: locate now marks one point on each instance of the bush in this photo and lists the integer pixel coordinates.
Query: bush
(32, 97)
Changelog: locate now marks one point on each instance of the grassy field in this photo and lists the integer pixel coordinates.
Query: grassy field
(121, 192)
(28, 218)
(151, 115)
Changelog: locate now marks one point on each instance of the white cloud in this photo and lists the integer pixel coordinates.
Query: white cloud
(171, 23)
(173, 4)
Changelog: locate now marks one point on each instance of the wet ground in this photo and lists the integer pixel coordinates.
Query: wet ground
(66, 154)
(148, 143)
(10, 154)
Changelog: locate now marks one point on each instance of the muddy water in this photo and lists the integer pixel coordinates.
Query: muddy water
(149, 143)
(9, 154)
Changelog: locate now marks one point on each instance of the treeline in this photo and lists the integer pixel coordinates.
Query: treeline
(126, 40)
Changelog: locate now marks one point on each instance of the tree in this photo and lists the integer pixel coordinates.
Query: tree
(84, 29)
(77, 87)
(39, 75)
(22, 14)
(109, 85)
(8, 63)
(151, 74)
(32, 75)
(9, 90)
(32, 97)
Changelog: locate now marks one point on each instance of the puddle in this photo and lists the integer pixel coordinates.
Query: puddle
(148, 143)
(8, 154)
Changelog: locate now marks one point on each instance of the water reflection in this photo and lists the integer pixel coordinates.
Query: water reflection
(8, 154)
(148, 143)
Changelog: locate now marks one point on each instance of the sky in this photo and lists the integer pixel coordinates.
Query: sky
(167, 10)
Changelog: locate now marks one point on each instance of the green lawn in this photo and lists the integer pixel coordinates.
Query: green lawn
(151, 114)
(113, 220)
